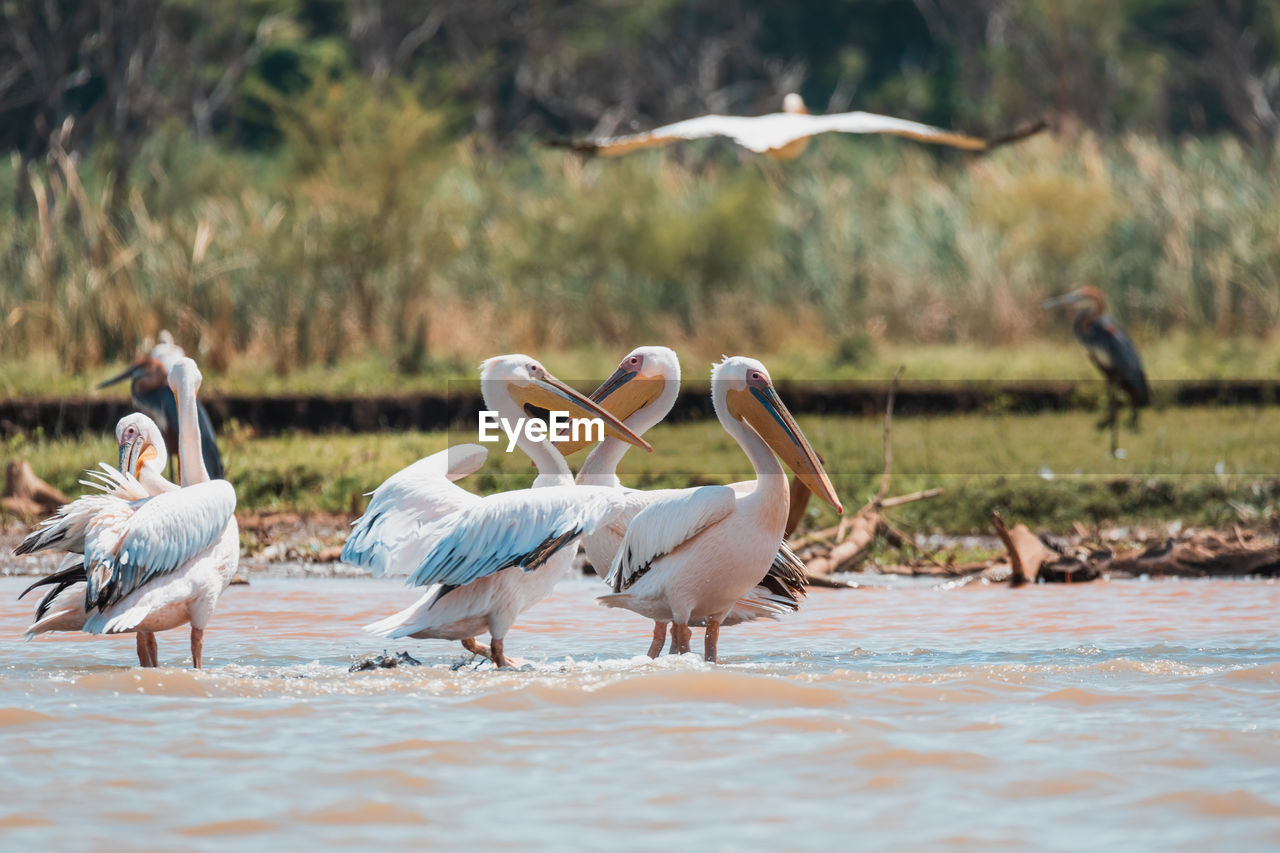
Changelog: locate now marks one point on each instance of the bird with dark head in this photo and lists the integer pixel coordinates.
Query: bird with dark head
(149, 390)
(1111, 351)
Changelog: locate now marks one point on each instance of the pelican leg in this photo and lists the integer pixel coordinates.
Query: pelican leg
(146, 657)
(681, 637)
(499, 659)
(711, 640)
(659, 638)
(475, 648)
(197, 647)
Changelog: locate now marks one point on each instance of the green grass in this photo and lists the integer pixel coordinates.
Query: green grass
(1178, 356)
(1046, 470)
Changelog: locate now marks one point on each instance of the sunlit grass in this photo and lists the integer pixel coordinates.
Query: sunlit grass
(1200, 466)
(1175, 357)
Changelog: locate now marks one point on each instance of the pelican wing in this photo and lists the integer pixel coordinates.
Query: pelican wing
(860, 122)
(663, 526)
(65, 529)
(736, 127)
(521, 528)
(134, 542)
(409, 500)
(775, 131)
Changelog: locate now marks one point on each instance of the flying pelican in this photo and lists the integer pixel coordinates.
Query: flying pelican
(641, 392)
(149, 392)
(478, 558)
(690, 556)
(1111, 351)
(154, 562)
(142, 455)
(785, 135)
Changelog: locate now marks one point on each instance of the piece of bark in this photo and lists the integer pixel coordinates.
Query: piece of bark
(1026, 551)
(26, 494)
(846, 555)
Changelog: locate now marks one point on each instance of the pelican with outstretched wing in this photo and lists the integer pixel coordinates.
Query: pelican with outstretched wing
(483, 560)
(141, 455)
(152, 562)
(690, 556)
(785, 135)
(641, 393)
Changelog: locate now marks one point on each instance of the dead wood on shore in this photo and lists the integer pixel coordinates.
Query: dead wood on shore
(26, 495)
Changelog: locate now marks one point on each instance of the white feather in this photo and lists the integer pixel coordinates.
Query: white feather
(386, 538)
(668, 522)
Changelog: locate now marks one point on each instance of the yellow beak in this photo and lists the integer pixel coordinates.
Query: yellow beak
(552, 394)
(622, 395)
(764, 412)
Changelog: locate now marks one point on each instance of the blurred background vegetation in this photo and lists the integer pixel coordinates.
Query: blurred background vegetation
(358, 188)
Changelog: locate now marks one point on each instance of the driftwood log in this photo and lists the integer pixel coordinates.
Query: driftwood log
(1206, 554)
(26, 495)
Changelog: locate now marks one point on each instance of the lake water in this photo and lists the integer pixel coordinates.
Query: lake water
(1124, 714)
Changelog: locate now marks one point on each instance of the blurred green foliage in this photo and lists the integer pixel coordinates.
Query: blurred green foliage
(293, 183)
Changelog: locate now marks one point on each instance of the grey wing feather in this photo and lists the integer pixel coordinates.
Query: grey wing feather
(152, 537)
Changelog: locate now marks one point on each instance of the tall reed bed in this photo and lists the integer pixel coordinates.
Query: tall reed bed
(374, 231)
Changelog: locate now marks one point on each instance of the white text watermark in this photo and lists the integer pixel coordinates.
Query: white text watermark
(559, 426)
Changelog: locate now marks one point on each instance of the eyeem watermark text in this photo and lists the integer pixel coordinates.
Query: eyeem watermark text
(559, 427)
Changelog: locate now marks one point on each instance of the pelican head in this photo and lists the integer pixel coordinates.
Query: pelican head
(641, 378)
(793, 103)
(1088, 293)
(528, 383)
(141, 444)
(184, 378)
(748, 394)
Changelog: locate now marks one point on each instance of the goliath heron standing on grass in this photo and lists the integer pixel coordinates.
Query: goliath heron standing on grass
(1111, 352)
(149, 389)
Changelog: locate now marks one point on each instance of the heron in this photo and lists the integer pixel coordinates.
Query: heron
(689, 557)
(1112, 352)
(150, 394)
(785, 135)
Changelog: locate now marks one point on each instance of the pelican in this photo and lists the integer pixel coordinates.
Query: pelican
(785, 135)
(148, 381)
(689, 557)
(142, 455)
(483, 559)
(641, 392)
(155, 562)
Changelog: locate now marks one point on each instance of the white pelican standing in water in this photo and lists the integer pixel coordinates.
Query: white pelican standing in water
(690, 556)
(483, 560)
(641, 392)
(141, 455)
(154, 562)
(785, 135)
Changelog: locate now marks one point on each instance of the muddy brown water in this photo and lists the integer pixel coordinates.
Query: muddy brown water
(1126, 714)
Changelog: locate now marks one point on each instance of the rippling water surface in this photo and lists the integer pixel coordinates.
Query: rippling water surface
(1118, 714)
